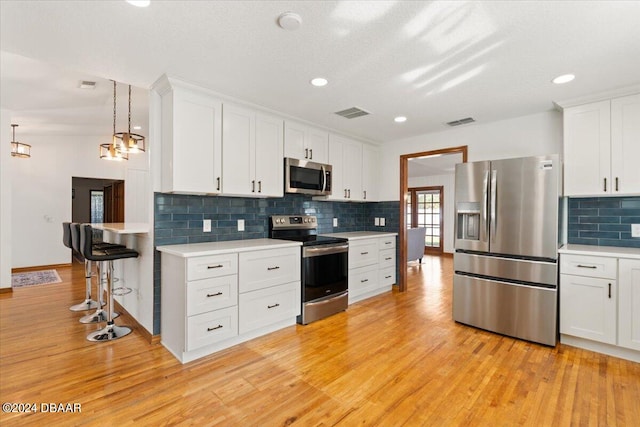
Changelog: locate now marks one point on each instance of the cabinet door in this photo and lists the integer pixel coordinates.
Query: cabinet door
(588, 308)
(363, 252)
(191, 142)
(265, 307)
(317, 141)
(269, 156)
(587, 149)
(336, 154)
(265, 268)
(294, 140)
(352, 170)
(629, 304)
(625, 144)
(238, 138)
(370, 172)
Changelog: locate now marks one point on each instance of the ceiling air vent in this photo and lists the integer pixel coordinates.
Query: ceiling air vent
(461, 121)
(86, 84)
(352, 113)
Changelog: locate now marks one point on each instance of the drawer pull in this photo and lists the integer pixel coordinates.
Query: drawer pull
(274, 305)
(209, 267)
(609, 290)
(387, 277)
(364, 253)
(387, 258)
(387, 243)
(214, 328)
(272, 268)
(364, 280)
(586, 266)
(214, 295)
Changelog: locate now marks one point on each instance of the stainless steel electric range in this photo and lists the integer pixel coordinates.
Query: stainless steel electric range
(325, 287)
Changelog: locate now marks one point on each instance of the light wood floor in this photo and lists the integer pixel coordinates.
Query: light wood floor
(397, 359)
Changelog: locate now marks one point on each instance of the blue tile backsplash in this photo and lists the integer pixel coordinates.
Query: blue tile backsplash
(178, 219)
(604, 221)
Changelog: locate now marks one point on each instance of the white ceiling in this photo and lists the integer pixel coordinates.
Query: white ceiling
(431, 61)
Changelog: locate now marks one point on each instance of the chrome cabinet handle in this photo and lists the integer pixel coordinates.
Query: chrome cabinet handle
(272, 268)
(259, 186)
(274, 305)
(218, 183)
(214, 328)
(586, 266)
(214, 295)
(209, 267)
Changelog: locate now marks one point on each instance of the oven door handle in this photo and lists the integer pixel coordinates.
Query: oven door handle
(324, 250)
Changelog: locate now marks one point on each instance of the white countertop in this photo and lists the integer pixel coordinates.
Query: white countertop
(355, 235)
(216, 248)
(123, 227)
(610, 251)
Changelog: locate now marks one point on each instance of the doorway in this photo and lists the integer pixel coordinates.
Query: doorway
(429, 160)
(95, 200)
(425, 209)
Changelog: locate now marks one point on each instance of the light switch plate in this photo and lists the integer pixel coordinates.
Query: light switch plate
(206, 226)
(382, 222)
(376, 221)
(635, 230)
(335, 222)
(241, 225)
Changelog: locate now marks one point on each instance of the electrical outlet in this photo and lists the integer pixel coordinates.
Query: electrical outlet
(206, 226)
(635, 230)
(335, 222)
(376, 221)
(241, 225)
(382, 222)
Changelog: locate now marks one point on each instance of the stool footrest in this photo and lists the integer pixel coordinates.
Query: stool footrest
(121, 291)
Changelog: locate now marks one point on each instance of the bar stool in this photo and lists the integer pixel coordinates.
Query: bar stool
(88, 302)
(111, 331)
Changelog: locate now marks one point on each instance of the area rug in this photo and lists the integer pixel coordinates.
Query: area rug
(30, 278)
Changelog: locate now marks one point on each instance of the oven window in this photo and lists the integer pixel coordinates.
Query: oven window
(324, 275)
(310, 179)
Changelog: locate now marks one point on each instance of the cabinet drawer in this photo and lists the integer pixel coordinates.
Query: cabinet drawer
(387, 276)
(589, 266)
(211, 266)
(261, 269)
(211, 294)
(212, 327)
(363, 252)
(387, 242)
(267, 306)
(362, 280)
(387, 258)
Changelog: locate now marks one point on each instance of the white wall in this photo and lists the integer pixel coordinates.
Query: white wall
(448, 184)
(531, 135)
(41, 193)
(5, 199)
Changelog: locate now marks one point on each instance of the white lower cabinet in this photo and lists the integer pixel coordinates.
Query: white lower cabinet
(600, 304)
(372, 266)
(211, 302)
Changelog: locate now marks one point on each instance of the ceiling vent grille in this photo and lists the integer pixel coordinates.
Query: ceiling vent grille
(352, 113)
(461, 121)
(86, 84)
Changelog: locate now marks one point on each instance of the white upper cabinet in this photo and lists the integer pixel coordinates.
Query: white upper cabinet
(601, 148)
(191, 139)
(370, 172)
(252, 153)
(305, 142)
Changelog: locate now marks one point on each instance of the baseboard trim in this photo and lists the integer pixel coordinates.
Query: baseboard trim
(6, 290)
(152, 339)
(39, 267)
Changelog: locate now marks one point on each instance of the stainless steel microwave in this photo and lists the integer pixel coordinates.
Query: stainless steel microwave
(301, 176)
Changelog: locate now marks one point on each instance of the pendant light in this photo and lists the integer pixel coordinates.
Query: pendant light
(129, 142)
(111, 151)
(19, 149)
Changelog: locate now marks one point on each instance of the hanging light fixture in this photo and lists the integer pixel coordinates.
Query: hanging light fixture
(19, 149)
(128, 142)
(111, 151)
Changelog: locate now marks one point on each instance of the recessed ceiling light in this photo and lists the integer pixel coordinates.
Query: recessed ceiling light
(319, 81)
(400, 119)
(289, 21)
(565, 78)
(139, 3)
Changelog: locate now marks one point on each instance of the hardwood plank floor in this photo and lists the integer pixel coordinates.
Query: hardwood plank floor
(393, 360)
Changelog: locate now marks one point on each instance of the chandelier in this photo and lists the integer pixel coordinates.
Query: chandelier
(111, 150)
(19, 149)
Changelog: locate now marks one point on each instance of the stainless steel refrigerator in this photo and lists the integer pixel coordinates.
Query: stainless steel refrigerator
(506, 246)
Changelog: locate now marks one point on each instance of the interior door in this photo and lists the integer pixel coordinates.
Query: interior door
(523, 207)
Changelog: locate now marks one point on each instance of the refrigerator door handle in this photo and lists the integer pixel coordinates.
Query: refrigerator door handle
(485, 206)
(494, 202)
